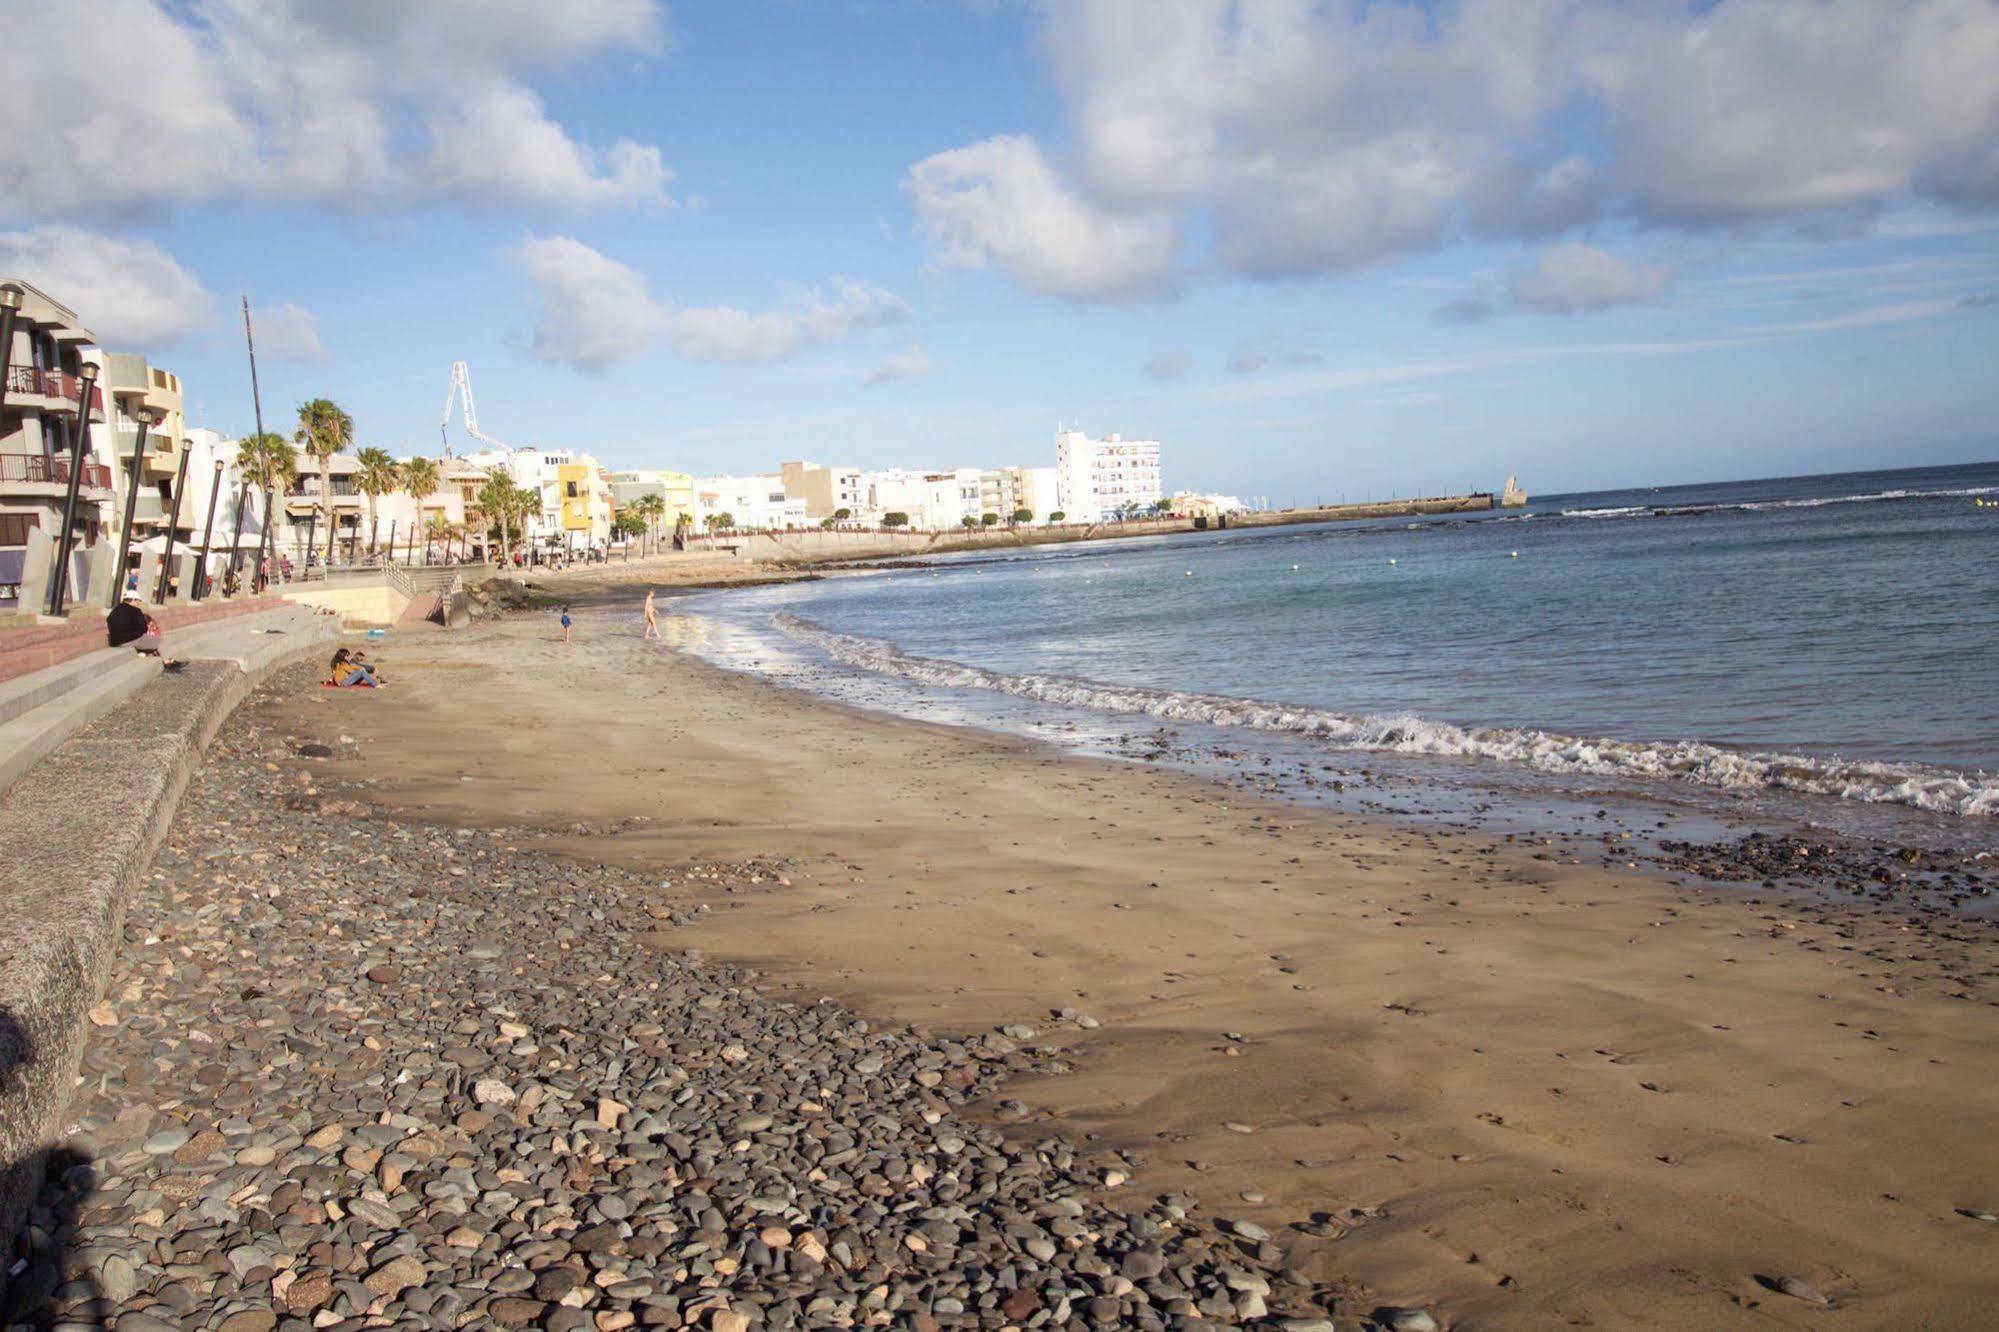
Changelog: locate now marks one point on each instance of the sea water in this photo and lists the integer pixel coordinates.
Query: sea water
(1816, 646)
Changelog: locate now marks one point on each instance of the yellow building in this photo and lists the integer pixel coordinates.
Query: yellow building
(586, 502)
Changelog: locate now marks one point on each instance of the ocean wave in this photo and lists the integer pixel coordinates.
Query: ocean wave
(1696, 761)
(1760, 506)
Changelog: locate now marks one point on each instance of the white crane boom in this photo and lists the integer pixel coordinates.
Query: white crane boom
(461, 391)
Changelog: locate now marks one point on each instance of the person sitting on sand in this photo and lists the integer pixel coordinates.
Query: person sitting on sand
(350, 672)
(565, 624)
(652, 617)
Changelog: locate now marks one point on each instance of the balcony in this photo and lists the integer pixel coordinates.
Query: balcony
(64, 388)
(35, 470)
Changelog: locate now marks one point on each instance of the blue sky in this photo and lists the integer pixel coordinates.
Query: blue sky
(1319, 251)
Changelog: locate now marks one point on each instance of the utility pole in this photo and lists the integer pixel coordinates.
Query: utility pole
(243, 483)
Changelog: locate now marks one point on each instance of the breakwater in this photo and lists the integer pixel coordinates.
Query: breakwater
(1394, 508)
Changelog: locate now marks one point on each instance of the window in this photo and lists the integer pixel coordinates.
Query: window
(14, 527)
(573, 493)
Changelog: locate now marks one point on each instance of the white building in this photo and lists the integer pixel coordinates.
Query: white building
(576, 506)
(826, 490)
(894, 490)
(1103, 478)
(747, 503)
(1007, 490)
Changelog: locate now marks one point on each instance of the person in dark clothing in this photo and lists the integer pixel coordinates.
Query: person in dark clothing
(129, 623)
(126, 623)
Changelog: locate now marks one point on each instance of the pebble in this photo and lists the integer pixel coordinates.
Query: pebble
(1799, 1289)
(424, 1078)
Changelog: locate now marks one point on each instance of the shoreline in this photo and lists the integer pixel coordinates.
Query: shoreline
(1455, 1050)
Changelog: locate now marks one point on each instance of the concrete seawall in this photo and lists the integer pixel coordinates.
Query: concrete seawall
(79, 831)
(819, 547)
(1339, 513)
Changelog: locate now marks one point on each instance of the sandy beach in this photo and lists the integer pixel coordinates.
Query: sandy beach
(1522, 1092)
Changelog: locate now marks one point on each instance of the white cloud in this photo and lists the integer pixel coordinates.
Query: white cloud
(913, 362)
(1306, 139)
(1566, 279)
(724, 333)
(1173, 363)
(1000, 202)
(131, 294)
(366, 102)
(289, 333)
(597, 312)
(1761, 108)
(500, 146)
(1580, 279)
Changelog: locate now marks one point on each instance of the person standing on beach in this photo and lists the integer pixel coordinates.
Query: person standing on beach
(565, 624)
(652, 618)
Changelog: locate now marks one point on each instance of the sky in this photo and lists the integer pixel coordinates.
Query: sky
(1318, 250)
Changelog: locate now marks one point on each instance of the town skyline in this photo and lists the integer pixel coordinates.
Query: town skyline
(715, 238)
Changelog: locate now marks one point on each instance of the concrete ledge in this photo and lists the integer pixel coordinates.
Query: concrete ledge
(36, 731)
(77, 835)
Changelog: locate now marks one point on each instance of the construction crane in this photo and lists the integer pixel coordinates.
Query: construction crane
(461, 391)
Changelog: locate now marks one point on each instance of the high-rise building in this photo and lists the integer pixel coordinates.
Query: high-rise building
(1105, 478)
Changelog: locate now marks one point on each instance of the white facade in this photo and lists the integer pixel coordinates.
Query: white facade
(535, 469)
(1098, 478)
(1040, 492)
(954, 496)
(894, 490)
(748, 502)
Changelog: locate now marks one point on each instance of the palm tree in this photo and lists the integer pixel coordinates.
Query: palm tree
(527, 508)
(498, 500)
(267, 461)
(651, 507)
(420, 478)
(324, 430)
(379, 475)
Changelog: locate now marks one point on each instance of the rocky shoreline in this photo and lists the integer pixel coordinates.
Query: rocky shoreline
(360, 1072)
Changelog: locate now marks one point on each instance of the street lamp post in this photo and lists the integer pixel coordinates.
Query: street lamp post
(236, 540)
(10, 304)
(173, 521)
(207, 531)
(79, 440)
(144, 416)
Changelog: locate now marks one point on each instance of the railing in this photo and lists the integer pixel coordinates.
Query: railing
(51, 384)
(34, 469)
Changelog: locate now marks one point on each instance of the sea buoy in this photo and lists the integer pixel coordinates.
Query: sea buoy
(1391, 561)
(1294, 568)
(1514, 554)
(1190, 573)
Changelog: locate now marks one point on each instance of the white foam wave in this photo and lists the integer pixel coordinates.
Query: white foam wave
(1696, 761)
(1759, 506)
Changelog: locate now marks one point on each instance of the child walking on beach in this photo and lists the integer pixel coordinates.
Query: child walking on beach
(652, 618)
(565, 624)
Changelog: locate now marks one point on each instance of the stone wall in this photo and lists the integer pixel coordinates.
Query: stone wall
(77, 835)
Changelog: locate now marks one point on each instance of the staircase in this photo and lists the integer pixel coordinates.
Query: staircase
(43, 701)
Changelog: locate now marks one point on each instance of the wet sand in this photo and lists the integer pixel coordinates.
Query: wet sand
(1528, 1092)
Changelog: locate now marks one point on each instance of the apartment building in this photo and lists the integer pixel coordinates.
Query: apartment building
(748, 503)
(138, 389)
(675, 490)
(826, 490)
(1007, 490)
(41, 405)
(1105, 478)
